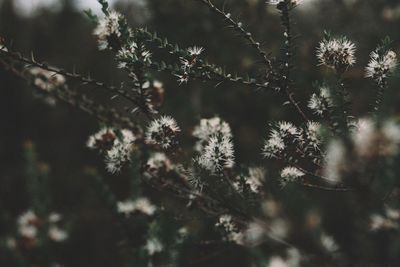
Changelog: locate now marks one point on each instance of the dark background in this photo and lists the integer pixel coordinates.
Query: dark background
(64, 39)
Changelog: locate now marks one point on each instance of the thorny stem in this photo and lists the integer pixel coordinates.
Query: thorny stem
(238, 27)
(288, 54)
(102, 113)
(78, 77)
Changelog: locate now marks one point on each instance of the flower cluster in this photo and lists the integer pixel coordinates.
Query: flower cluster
(188, 62)
(141, 205)
(115, 145)
(46, 80)
(108, 31)
(253, 180)
(208, 128)
(320, 103)
(132, 53)
(214, 144)
(382, 63)
(279, 137)
(158, 165)
(230, 229)
(217, 155)
(162, 132)
(290, 174)
(30, 227)
(371, 141)
(337, 53)
(387, 221)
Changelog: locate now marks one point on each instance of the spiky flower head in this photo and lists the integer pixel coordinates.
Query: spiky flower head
(162, 132)
(275, 144)
(115, 145)
(131, 54)
(208, 128)
(195, 51)
(322, 101)
(337, 53)
(108, 31)
(382, 64)
(217, 155)
(290, 174)
(313, 134)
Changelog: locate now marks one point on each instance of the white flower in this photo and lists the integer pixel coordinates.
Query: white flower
(102, 140)
(56, 234)
(157, 165)
(217, 155)
(46, 80)
(232, 232)
(28, 231)
(195, 51)
(254, 180)
(291, 2)
(142, 205)
(27, 224)
(162, 132)
(335, 161)
(336, 53)
(274, 145)
(321, 102)
(363, 136)
(54, 217)
(153, 246)
(381, 66)
(208, 128)
(313, 135)
(115, 145)
(117, 157)
(107, 30)
(329, 243)
(131, 53)
(290, 174)
(126, 207)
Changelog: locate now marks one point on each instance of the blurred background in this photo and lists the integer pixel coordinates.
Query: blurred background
(58, 32)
